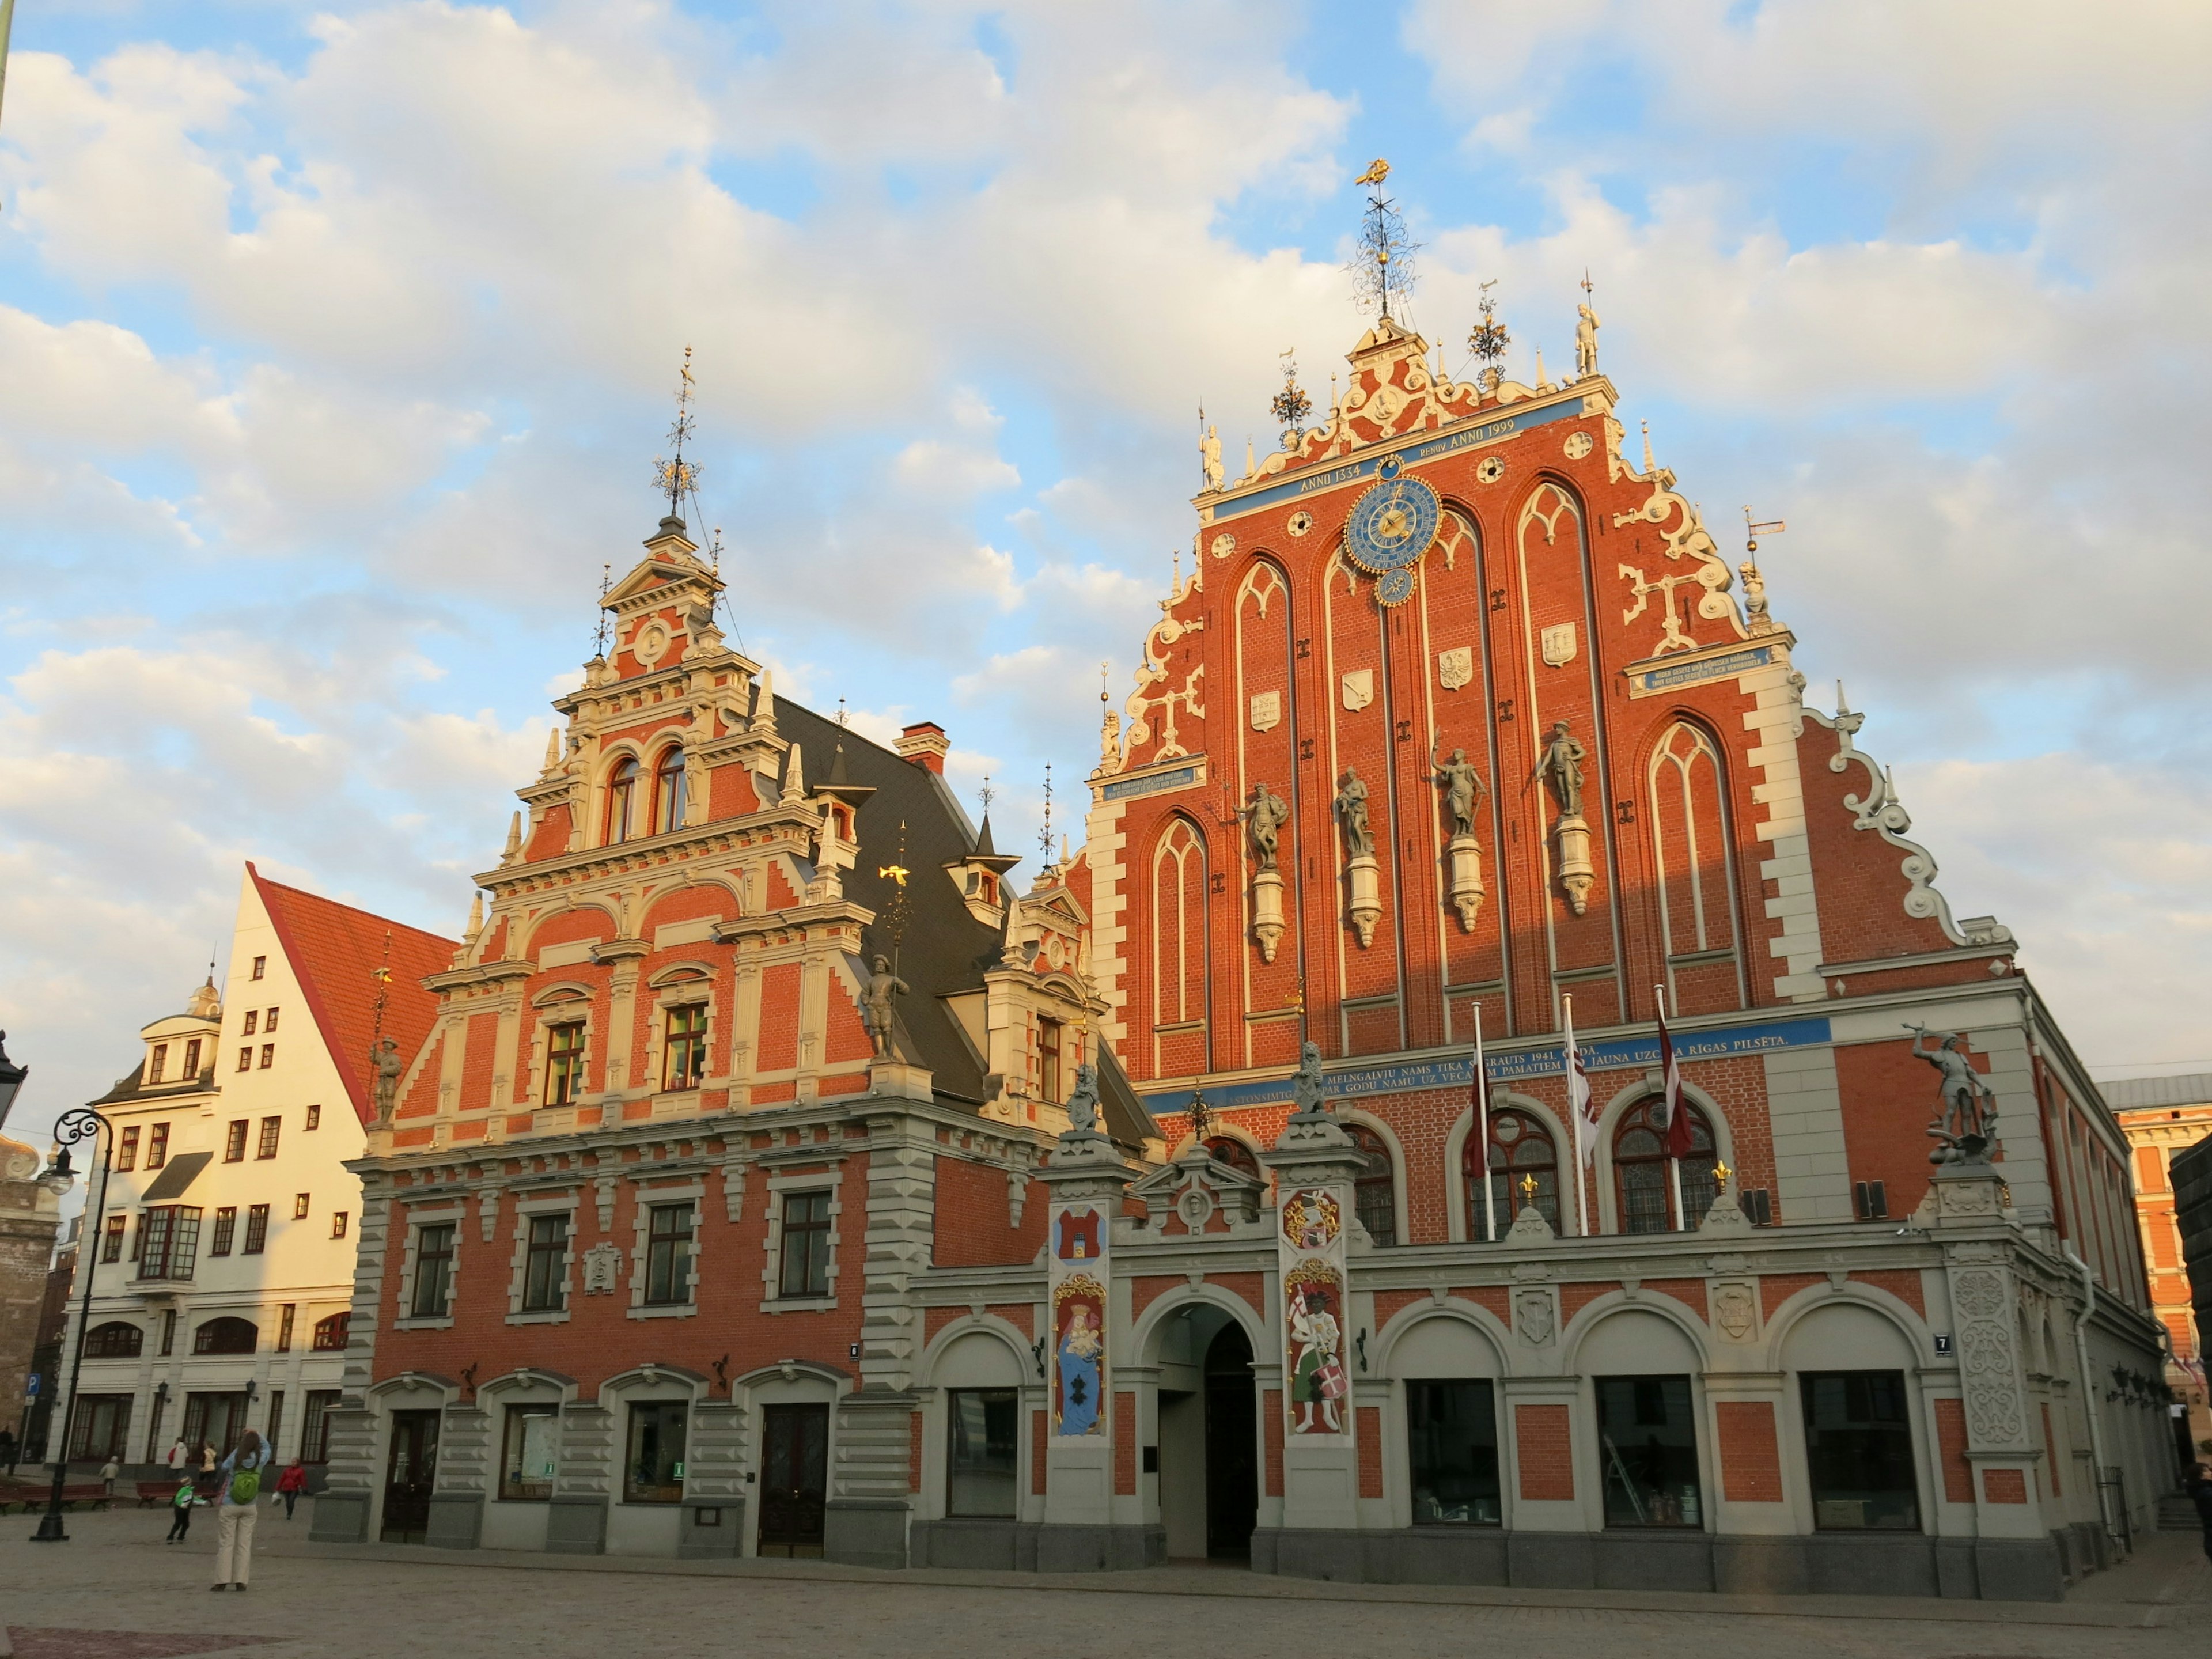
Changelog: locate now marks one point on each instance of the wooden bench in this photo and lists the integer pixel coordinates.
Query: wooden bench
(151, 1492)
(35, 1497)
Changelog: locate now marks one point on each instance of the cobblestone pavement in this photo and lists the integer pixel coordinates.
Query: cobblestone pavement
(116, 1592)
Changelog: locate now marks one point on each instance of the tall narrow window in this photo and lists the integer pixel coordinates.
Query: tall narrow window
(260, 966)
(983, 1450)
(338, 1223)
(544, 1266)
(1647, 1449)
(653, 1472)
(1048, 1035)
(622, 793)
(276, 1418)
(668, 791)
(530, 1449)
(126, 1155)
(805, 1244)
(192, 1058)
(268, 1055)
(315, 1427)
(1858, 1448)
(169, 1331)
(286, 1316)
(564, 1063)
(226, 1225)
(433, 1271)
(668, 1255)
(253, 1021)
(270, 1128)
(1451, 1437)
(269, 1023)
(111, 1249)
(1641, 1182)
(1179, 951)
(234, 1141)
(157, 1062)
(1520, 1150)
(157, 1145)
(257, 1229)
(684, 1058)
(246, 1058)
(1375, 1194)
(315, 1117)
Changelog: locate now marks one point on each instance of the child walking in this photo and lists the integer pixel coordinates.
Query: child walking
(180, 1521)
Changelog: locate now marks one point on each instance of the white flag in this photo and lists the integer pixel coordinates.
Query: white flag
(1578, 1093)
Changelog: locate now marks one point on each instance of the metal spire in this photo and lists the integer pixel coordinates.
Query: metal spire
(674, 477)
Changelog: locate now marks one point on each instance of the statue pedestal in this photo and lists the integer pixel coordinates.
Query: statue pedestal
(899, 1081)
(1366, 883)
(1465, 879)
(1577, 874)
(1268, 912)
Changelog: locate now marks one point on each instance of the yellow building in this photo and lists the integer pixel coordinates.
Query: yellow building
(2162, 1117)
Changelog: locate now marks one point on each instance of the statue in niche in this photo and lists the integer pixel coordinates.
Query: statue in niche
(876, 1010)
(386, 1060)
(1561, 769)
(1083, 1104)
(1970, 1106)
(1263, 822)
(1352, 814)
(1462, 785)
(1209, 452)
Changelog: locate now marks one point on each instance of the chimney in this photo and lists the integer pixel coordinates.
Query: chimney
(926, 745)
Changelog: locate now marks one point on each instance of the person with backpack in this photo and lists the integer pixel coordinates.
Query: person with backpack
(180, 1521)
(291, 1484)
(239, 1508)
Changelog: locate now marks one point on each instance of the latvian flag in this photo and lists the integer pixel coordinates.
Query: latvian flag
(1670, 1073)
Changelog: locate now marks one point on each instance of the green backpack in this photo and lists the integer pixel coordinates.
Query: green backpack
(245, 1486)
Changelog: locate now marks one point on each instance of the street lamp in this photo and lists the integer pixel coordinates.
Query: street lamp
(11, 1079)
(81, 1123)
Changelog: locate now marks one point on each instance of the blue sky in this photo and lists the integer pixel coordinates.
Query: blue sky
(337, 342)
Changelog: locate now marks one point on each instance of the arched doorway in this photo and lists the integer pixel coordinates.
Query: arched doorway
(1209, 1428)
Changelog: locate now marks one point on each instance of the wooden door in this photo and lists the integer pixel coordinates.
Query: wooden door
(409, 1472)
(794, 1479)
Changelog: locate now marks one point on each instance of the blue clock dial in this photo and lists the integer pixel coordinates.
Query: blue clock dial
(1394, 587)
(1392, 525)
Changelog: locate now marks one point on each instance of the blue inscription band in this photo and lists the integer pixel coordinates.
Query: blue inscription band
(1697, 673)
(1122, 789)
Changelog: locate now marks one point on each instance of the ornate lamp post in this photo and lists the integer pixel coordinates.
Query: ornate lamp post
(81, 1123)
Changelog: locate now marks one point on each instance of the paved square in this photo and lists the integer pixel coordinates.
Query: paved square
(116, 1588)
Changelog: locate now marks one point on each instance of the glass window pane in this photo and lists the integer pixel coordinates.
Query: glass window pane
(654, 1471)
(1451, 1436)
(1858, 1448)
(1648, 1440)
(526, 1463)
(983, 1452)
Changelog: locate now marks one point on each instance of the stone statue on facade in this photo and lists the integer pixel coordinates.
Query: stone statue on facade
(1561, 769)
(1209, 452)
(1585, 341)
(387, 1061)
(1351, 813)
(1263, 822)
(1308, 1094)
(1083, 1104)
(1970, 1106)
(1462, 785)
(876, 1009)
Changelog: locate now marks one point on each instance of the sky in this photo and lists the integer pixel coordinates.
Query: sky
(337, 343)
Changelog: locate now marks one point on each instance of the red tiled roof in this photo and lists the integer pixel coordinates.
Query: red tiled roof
(335, 949)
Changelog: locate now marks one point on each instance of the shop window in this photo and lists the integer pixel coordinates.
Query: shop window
(1451, 1438)
(102, 1428)
(529, 1453)
(1858, 1451)
(1648, 1443)
(1521, 1149)
(983, 1452)
(653, 1472)
(1642, 1185)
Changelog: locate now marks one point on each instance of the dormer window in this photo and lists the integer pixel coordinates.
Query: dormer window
(157, 1062)
(668, 796)
(622, 793)
(192, 1058)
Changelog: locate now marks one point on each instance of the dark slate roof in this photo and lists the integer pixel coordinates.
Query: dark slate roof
(944, 950)
(2134, 1094)
(1128, 1120)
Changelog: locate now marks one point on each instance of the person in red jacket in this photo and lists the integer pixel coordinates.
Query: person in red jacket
(291, 1484)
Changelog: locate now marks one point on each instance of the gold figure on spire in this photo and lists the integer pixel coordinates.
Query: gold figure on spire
(1378, 170)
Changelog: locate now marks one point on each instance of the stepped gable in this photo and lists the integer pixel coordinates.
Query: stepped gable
(335, 949)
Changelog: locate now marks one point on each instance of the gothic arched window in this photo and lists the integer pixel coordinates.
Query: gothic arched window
(1641, 1185)
(668, 791)
(1521, 1147)
(1375, 1194)
(1178, 923)
(622, 799)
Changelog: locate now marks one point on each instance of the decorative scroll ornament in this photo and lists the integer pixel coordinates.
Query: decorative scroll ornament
(1685, 536)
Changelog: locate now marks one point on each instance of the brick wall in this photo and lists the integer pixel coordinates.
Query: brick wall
(1751, 1462)
(1951, 1452)
(1544, 1445)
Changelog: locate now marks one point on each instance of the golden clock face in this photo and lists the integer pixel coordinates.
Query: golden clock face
(1392, 525)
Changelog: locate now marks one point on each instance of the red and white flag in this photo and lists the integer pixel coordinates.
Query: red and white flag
(1670, 1075)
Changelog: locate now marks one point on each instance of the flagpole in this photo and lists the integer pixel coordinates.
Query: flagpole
(1575, 1116)
(1482, 1127)
(1673, 1105)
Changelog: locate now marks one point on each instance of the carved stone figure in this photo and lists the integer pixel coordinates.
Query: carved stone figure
(876, 1012)
(1307, 1092)
(1586, 327)
(1561, 769)
(1351, 813)
(1970, 1106)
(1083, 1104)
(1209, 450)
(1263, 822)
(1462, 785)
(385, 1058)
(602, 1269)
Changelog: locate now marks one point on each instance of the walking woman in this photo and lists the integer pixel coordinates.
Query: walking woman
(234, 1517)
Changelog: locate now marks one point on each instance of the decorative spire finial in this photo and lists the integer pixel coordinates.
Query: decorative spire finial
(674, 477)
(1382, 270)
(1488, 339)
(1044, 835)
(1291, 406)
(600, 634)
(1648, 468)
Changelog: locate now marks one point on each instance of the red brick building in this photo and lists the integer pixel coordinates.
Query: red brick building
(694, 1228)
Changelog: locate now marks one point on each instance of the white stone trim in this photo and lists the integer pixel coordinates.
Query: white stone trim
(772, 1268)
(646, 1199)
(567, 1204)
(1777, 720)
(452, 1214)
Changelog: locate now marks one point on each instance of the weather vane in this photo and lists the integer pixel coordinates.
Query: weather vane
(674, 477)
(1488, 339)
(896, 913)
(600, 634)
(1291, 406)
(1044, 836)
(987, 794)
(1383, 267)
